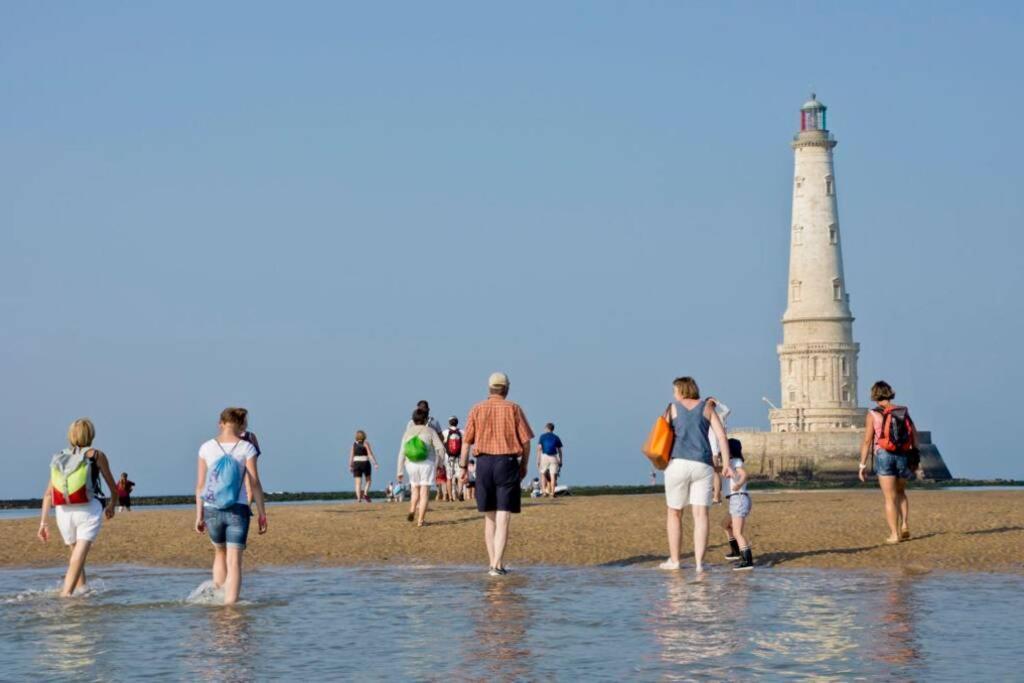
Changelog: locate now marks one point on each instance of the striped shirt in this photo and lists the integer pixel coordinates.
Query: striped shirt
(497, 426)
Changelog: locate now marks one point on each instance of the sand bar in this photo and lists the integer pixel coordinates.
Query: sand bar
(961, 531)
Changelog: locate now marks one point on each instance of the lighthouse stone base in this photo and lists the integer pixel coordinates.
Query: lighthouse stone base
(824, 455)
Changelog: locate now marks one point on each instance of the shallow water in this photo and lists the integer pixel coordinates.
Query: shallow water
(537, 623)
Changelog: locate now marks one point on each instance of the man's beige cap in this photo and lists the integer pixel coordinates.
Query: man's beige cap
(498, 379)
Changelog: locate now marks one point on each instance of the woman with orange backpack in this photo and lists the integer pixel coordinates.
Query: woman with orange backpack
(74, 490)
(890, 434)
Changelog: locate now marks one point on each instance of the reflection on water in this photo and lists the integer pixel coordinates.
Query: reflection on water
(223, 643)
(818, 632)
(69, 640)
(694, 622)
(458, 624)
(897, 623)
(500, 620)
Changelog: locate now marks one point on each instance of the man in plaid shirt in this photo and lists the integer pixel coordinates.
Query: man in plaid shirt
(498, 430)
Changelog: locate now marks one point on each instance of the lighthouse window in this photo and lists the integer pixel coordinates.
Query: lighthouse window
(792, 397)
(833, 234)
(837, 290)
(798, 234)
(794, 290)
(791, 367)
(830, 185)
(844, 366)
(846, 393)
(799, 180)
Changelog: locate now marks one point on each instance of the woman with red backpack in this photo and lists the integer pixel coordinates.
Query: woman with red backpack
(890, 434)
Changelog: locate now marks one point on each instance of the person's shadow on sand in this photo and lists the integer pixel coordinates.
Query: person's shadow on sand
(996, 530)
(783, 557)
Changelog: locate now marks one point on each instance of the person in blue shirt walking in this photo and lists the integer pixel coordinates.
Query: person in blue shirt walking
(549, 458)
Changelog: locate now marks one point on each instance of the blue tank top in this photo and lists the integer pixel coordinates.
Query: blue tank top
(691, 429)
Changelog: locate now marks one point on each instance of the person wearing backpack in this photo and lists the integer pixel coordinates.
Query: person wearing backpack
(73, 488)
(452, 440)
(890, 434)
(419, 453)
(226, 470)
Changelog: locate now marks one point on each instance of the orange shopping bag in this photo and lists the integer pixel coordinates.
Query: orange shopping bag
(658, 447)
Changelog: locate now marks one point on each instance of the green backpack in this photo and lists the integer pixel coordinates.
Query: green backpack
(415, 450)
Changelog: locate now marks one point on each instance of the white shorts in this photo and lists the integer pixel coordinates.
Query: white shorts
(549, 464)
(688, 482)
(451, 468)
(420, 473)
(80, 522)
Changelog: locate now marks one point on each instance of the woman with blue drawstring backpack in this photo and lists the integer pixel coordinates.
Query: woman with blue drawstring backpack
(226, 470)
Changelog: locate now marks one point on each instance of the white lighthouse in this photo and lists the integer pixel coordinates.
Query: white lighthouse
(817, 432)
(817, 357)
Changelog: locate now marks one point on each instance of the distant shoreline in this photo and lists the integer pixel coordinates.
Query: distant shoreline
(609, 490)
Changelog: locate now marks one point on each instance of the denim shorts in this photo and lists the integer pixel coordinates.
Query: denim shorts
(228, 527)
(739, 505)
(891, 464)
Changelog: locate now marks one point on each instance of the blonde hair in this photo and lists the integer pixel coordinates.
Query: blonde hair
(81, 433)
(360, 436)
(687, 387)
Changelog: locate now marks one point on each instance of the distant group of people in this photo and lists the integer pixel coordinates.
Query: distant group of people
(445, 473)
(499, 437)
(431, 457)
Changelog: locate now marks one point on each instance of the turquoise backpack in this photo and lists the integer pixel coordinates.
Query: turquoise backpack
(224, 480)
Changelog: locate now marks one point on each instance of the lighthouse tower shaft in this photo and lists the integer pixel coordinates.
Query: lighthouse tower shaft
(817, 357)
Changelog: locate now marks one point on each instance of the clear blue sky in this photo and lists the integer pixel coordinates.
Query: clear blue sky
(325, 212)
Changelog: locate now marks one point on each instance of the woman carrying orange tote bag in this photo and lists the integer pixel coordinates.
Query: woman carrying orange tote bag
(658, 447)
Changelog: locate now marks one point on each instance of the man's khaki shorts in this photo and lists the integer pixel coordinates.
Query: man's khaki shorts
(549, 464)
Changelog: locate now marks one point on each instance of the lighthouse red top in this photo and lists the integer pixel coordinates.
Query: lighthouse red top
(812, 115)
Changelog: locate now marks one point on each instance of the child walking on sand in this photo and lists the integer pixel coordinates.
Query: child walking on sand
(74, 490)
(225, 463)
(739, 510)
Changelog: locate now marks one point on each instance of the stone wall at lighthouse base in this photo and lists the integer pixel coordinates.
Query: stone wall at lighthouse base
(825, 455)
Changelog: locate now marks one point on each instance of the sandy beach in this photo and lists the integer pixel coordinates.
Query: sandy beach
(952, 530)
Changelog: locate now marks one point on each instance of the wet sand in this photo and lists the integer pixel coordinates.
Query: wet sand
(952, 530)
